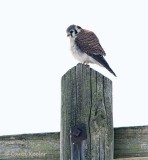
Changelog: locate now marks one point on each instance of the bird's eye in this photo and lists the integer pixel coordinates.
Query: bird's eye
(71, 31)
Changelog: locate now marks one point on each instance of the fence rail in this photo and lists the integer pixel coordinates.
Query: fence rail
(39, 146)
(131, 142)
(47, 145)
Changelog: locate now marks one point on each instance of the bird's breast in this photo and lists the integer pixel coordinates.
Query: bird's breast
(76, 52)
(80, 56)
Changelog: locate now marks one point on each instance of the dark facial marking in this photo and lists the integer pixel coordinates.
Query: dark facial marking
(79, 27)
(71, 31)
(76, 31)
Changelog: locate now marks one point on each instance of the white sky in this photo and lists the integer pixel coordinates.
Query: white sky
(34, 54)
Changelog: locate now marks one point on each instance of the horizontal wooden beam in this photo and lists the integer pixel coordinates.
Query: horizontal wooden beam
(30, 146)
(131, 143)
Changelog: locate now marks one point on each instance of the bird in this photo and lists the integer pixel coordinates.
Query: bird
(86, 48)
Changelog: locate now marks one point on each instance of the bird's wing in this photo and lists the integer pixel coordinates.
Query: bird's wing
(88, 43)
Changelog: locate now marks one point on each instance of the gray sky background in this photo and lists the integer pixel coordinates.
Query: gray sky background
(34, 54)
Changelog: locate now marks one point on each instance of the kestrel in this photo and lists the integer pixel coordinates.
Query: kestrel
(86, 48)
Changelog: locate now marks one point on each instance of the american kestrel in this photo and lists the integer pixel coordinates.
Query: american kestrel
(86, 48)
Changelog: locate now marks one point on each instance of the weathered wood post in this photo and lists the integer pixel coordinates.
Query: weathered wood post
(86, 115)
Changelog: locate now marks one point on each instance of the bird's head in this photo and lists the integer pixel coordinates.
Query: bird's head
(73, 30)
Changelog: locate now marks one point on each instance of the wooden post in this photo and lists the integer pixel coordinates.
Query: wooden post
(86, 115)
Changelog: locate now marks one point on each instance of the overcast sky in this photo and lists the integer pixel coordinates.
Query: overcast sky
(34, 54)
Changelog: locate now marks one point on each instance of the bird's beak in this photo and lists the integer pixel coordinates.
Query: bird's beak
(68, 34)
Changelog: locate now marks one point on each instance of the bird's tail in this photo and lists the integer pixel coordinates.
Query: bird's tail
(103, 62)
